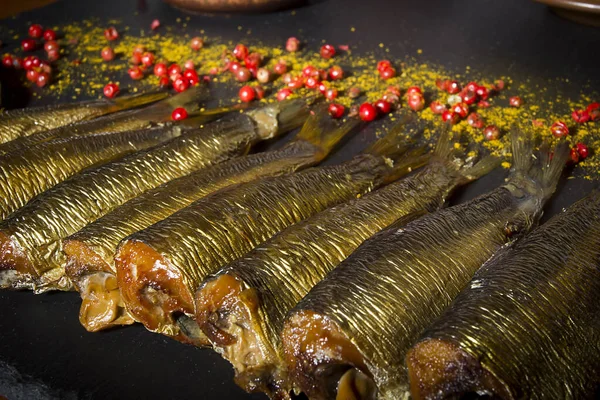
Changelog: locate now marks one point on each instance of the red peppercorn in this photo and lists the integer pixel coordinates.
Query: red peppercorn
(367, 112)
(450, 117)
(442, 84)
(139, 50)
(312, 83)
(336, 72)
(28, 44)
(323, 88)
(387, 73)
(327, 51)
(462, 109)
(136, 73)
(574, 155)
(180, 84)
(49, 34)
(292, 44)
(263, 75)
(111, 33)
(179, 114)
(469, 97)
(583, 150)
(148, 59)
(331, 94)
(593, 106)
(594, 114)
(253, 60)
(515, 101)
(240, 52)
(295, 82)
(51, 45)
(280, 68)
(196, 43)
(499, 85)
(483, 104)
(453, 87)
(336, 110)
(559, 129)
(107, 54)
(383, 106)
(43, 79)
(247, 94)
(260, 92)
(581, 116)
(482, 92)
(354, 92)
(491, 132)
(416, 101)
(437, 107)
(234, 66)
(31, 75)
(190, 74)
(383, 64)
(27, 62)
(111, 90)
(164, 82)
(475, 120)
(53, 55)
(243, 74)
(189, 64)
(283, 94)
(36, 62)
(155, 24)
(36, 31)
(136, 59)
(309, 71)
(173, 70)
(412, 90)
(160, 69)
(7, 61)
(471, 86)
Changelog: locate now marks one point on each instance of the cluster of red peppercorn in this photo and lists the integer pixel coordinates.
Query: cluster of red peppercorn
(36, 70)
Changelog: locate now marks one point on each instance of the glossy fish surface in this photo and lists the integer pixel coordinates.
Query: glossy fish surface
(90, 252)
(257, 290)
(350, 333)
(28, 121)
(31, 248)
(528, 324)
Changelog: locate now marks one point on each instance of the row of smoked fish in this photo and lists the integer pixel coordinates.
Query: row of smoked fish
(348, 281)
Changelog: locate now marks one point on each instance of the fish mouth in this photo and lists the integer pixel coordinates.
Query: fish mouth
(155, 293)
(322, 360)
(16, 271)
(440, 369)
(102, 306)
(228, 314)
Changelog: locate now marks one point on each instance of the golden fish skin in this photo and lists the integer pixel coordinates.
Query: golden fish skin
(30, 249)
(118, 122)
(29, 172)
(28, 121)
(159, 268)
(90, 252)
(242, 308)
(528, 324)
(363, 317)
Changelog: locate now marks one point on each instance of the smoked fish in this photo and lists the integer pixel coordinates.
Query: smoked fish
(528, 324)
(90, 252)
(160, 268)
(146, 117)
(31, 253)
(242, 308)
(28, 121)
(347, 338)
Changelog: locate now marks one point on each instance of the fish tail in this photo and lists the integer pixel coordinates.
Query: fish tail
(190, 100)
(483, 167)
(324, 132)
(292, 113)
(136, 100)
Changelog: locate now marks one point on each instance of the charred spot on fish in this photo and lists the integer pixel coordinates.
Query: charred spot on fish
(188, 327)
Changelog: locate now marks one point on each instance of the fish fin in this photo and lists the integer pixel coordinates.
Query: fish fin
(136, 100)
(522, 152)
(324, 132)
(444, 146)
(481, 168)
(190, 100)
(552, 165)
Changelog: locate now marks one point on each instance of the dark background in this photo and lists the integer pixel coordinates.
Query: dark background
(45, 353)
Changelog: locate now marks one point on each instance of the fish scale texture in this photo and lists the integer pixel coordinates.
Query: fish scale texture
(391, 287)
(69, 206)
(532, 315)
(28, 172)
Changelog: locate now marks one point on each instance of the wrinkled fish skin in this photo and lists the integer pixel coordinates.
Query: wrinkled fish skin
(28, 121)
(119, 122)
(31, 237)
(373, 306)
(177, 253)
(27, 173)
(271, 279)
(90, 252)
(528, 324)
